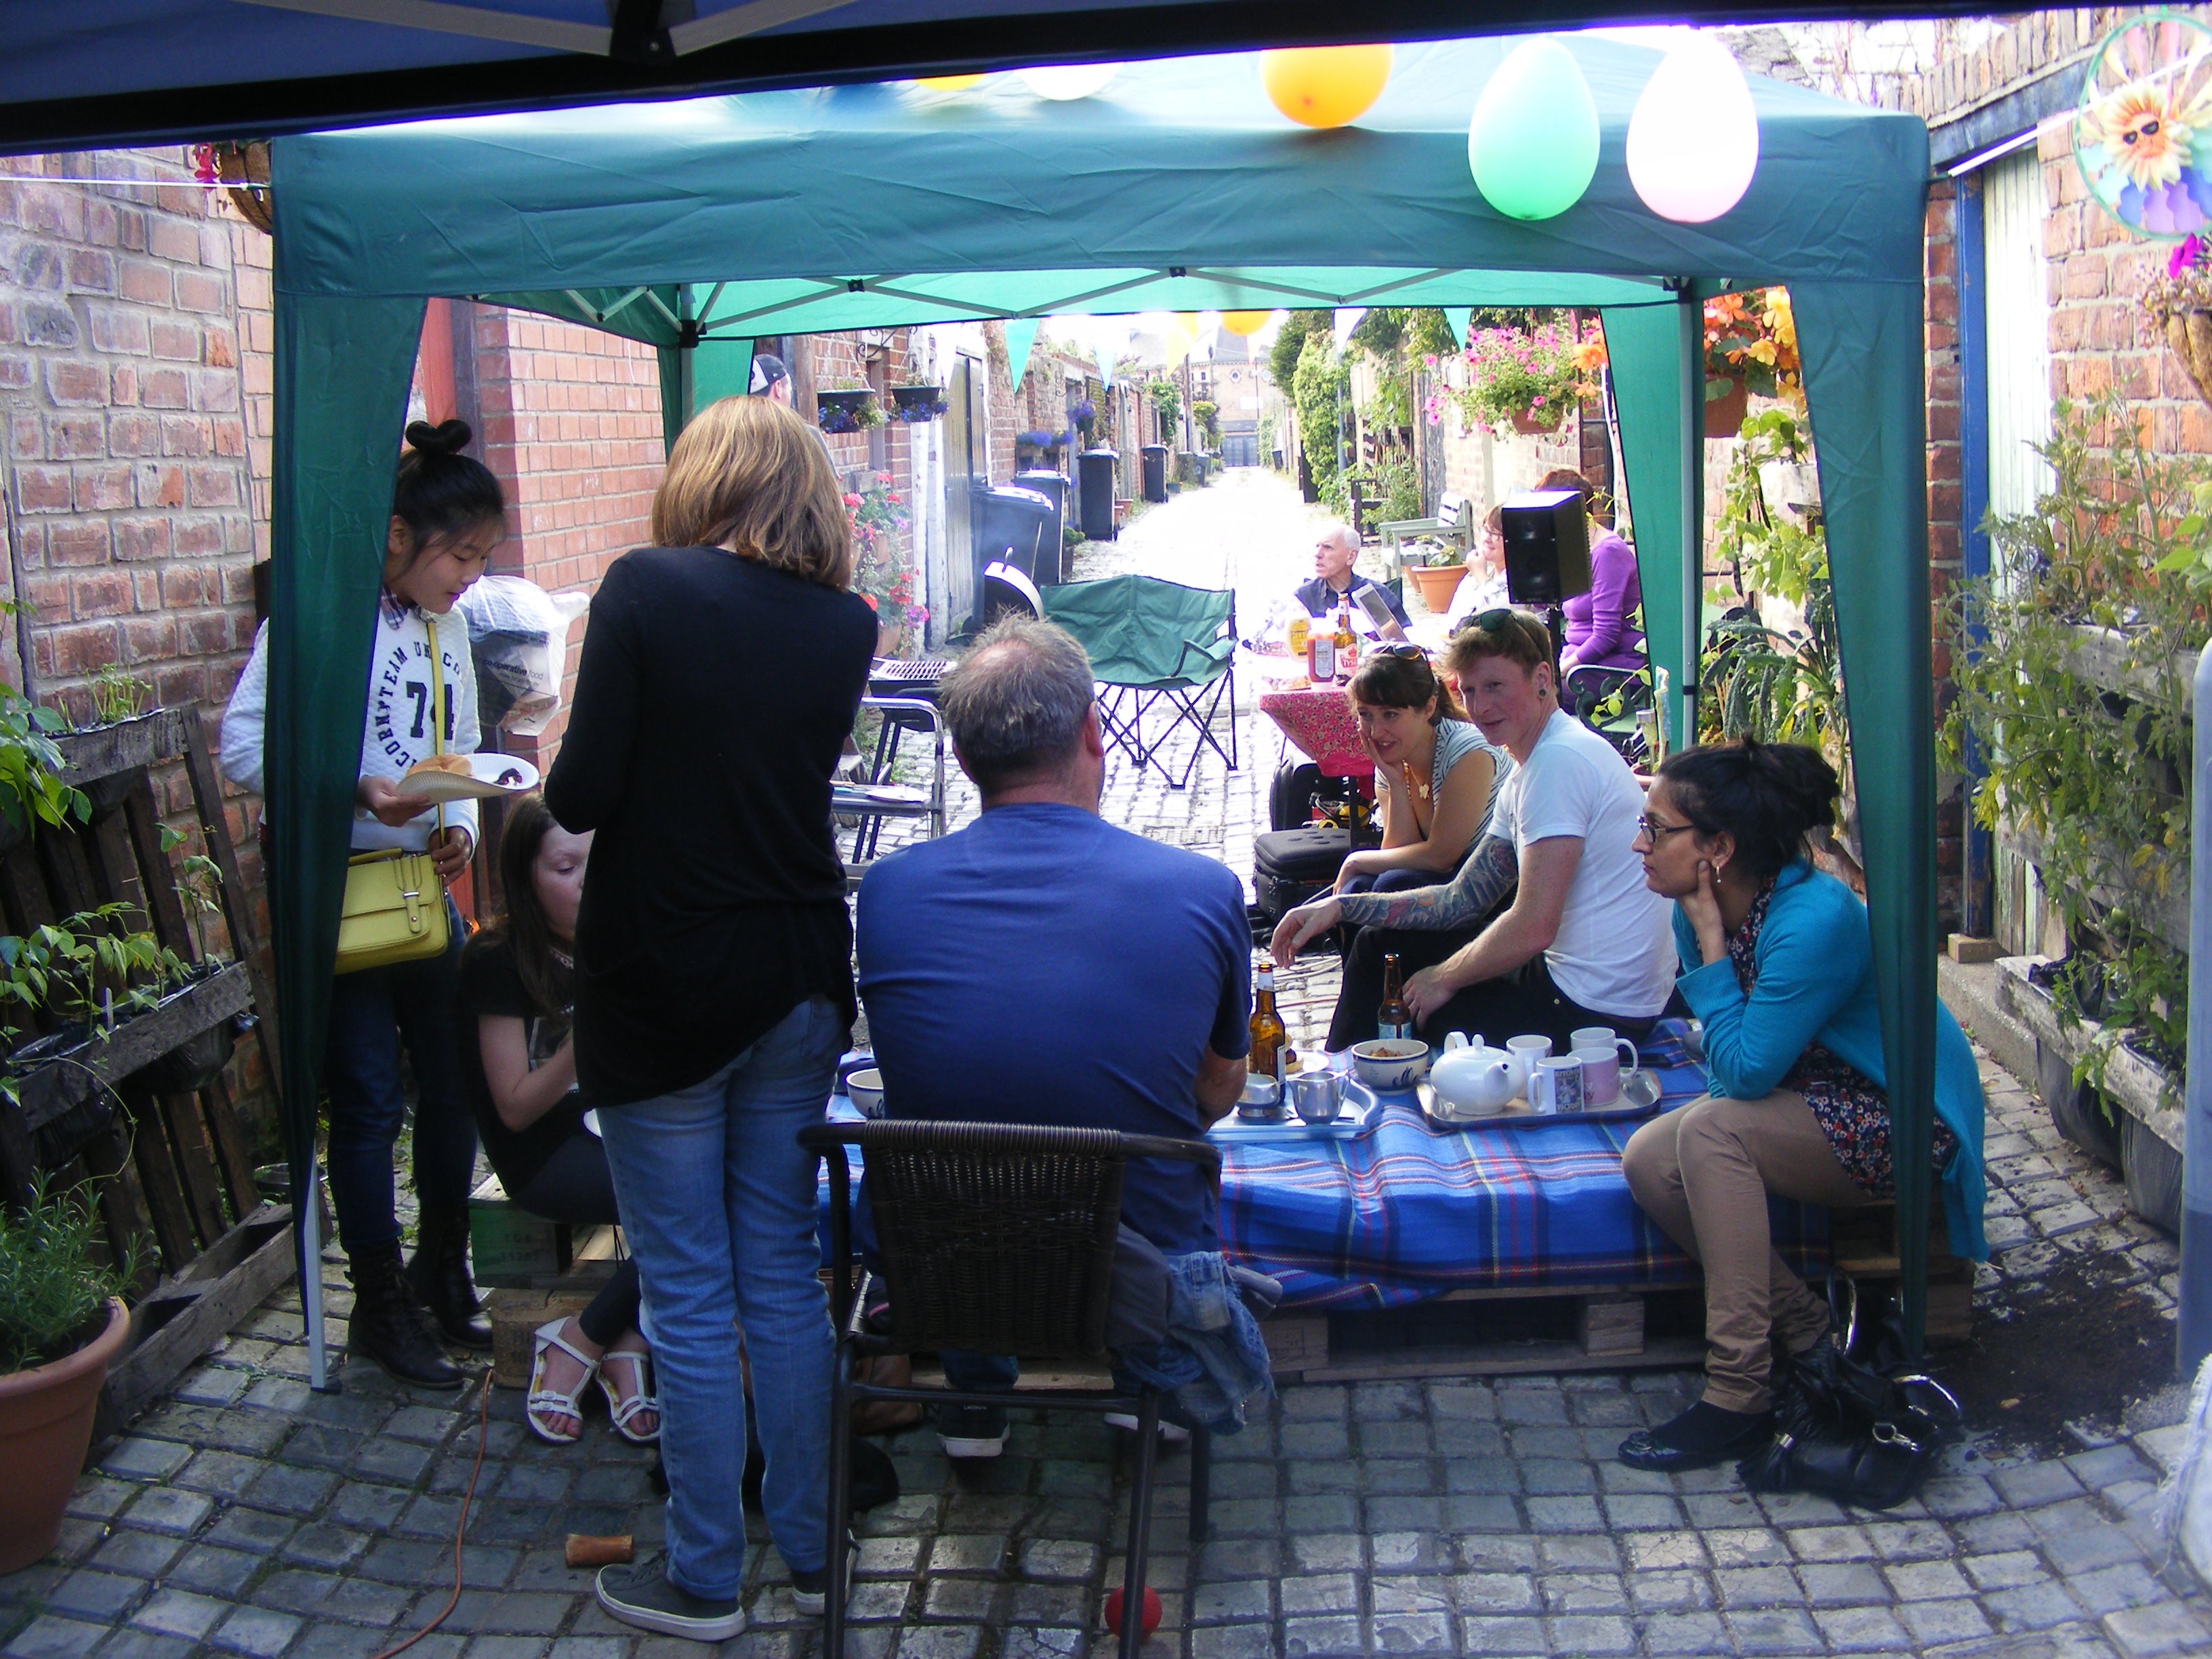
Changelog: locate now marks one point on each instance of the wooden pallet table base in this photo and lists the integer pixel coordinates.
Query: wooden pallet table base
(165, 1154)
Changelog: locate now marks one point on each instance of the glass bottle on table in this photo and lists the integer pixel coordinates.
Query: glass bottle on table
(1394, 1018)
(1301, 628)
(1321, 652)
(1268, 1032)
(1348, 642)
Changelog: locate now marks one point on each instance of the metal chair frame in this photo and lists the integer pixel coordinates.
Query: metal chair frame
(900, 715)
(1011, 1142)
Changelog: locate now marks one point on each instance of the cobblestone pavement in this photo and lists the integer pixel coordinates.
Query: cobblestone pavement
(247, 1515)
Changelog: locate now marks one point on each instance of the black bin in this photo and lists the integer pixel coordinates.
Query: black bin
(1155, 472)
(1052, 557)
(1011, 530)
(1095, 470)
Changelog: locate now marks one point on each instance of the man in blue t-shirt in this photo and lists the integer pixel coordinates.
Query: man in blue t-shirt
(1042, 966)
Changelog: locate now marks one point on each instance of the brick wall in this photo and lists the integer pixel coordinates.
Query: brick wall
(1946, 550)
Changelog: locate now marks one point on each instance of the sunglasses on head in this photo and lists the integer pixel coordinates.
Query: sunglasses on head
(1488, 621)
(1410, 652)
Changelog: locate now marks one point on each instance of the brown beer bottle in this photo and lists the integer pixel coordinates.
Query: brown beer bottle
(1394, 1018)
(1267, 1030)
(1347, 643)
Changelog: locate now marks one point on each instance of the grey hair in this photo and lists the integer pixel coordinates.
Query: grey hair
(1016, 703)
(1337, 531)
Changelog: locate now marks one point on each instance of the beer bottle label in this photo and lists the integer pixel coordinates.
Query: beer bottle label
(1386, 1029)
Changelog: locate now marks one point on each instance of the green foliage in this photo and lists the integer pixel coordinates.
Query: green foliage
(1167, 399)
(1398, 485)
(1757, 680)
(1291, 344)
(1318, 391)
(53, 1281)
(118, 694)
(1392, 405)
(1208, 416)
(200, 889)
(2095, 769)
(92, 966)
(1390, 334)
(30, 792)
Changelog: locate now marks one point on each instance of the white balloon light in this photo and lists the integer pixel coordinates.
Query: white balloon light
(1064, 82)
(1693, 138)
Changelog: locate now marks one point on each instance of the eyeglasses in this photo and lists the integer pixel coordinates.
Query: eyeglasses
(1410, 652)
(1655, 832)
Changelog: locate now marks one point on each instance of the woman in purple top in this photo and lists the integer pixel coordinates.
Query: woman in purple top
(1599, 630)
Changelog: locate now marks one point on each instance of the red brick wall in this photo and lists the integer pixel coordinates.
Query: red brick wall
(1946, 550)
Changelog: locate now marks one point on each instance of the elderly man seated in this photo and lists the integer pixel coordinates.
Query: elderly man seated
(1584, 942)
(1335, 583)
(1043, 967)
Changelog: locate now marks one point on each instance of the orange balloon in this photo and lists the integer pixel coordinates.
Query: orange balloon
(1325, 86)
(1245, 322)
(951, 82)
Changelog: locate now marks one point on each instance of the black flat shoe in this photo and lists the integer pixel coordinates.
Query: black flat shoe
(1697, 1439)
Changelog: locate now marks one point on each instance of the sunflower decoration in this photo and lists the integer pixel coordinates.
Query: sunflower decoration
(2142, 132)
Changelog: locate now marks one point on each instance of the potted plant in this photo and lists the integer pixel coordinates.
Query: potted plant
(1083, 416)
(1524, 378)
(62, 1320)
(846, 409)
(1439, 578)
(916, 403)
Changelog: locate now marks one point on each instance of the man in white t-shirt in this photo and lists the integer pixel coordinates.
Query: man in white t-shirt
(1584, 942)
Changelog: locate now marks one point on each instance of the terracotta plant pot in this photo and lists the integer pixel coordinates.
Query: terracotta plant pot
(1531, 423)
(45, 1424)
(887, 635)
(1724, 414)
(1437, 584)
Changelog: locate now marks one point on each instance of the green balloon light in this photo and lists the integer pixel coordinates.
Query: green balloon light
(1533, 144)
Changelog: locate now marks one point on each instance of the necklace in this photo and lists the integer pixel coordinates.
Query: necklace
(562, 958)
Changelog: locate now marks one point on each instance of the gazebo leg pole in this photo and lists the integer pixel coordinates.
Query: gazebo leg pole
(1691, 361)
(2194, 1340)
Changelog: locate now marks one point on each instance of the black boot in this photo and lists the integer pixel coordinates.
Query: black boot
(439, 1275)
(389, 1326)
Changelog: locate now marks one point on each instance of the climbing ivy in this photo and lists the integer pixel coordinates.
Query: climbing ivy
(1318, 391)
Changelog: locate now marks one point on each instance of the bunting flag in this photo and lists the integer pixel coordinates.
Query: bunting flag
(1348, 319)
(1456, 318)
(1021, 334)
(1104, 359)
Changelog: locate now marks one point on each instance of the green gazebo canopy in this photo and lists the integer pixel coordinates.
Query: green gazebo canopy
(1178, 188)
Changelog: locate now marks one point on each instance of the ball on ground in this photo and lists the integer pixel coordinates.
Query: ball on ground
(1151, 1610)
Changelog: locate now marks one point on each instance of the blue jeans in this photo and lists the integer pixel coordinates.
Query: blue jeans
(718, 1201)
(372, 1013)
(1397, 881)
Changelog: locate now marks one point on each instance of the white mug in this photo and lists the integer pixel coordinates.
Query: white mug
(1557, 1085)
(1601, 1074)
(1527, 1051)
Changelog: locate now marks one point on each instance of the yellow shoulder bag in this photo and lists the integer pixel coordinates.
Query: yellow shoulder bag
(395, 905)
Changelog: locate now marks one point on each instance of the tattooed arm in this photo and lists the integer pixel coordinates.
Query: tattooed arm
(1467, 896)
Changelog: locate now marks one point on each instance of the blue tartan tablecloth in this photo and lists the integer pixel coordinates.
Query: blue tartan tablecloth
(1402, 1215)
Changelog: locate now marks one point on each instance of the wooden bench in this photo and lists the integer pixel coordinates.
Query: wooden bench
(1451, 526)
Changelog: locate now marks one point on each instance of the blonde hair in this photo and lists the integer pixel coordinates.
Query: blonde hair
(751, 476)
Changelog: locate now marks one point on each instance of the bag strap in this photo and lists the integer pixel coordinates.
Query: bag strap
(437, 703)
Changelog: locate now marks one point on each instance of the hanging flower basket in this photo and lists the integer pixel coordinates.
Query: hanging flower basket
(1538, 423)
(1727, 401)
(916, 403)
(2181, 304)
(847, 411)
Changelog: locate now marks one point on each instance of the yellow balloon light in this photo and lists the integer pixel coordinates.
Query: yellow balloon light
(1325, 86)
(1245, 322)
(951, 82)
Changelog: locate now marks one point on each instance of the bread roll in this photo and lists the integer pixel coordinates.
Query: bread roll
(458, 763)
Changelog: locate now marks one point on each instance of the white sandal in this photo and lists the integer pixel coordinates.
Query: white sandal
(617, 1410)
(542, 1398)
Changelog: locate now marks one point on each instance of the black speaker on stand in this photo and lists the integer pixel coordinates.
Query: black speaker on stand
(1546, 553)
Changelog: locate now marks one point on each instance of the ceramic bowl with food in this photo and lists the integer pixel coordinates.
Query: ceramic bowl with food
(1390, 1062)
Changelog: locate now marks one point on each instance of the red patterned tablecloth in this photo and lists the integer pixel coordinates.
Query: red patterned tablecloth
(1318, 721)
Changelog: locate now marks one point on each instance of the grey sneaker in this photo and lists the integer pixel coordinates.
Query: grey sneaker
(640, 1594)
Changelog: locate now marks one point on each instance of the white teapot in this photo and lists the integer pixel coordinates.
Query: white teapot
(1470, 1079)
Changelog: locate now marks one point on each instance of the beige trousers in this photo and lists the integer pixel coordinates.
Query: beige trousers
(1703, 1173)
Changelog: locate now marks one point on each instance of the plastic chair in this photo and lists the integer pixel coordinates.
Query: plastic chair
(994, 1238)
(1151, 644)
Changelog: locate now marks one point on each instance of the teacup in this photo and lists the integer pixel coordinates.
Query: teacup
(1557, 1085)
(1263, 1099)
(1526, 1052)
(1602, 1066)
(1318, 1097)
(866, 1089)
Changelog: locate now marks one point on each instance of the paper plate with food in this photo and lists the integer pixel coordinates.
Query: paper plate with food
(462, 777)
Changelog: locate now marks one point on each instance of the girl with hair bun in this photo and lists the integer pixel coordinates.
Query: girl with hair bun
(447, 514)
(1778, 963)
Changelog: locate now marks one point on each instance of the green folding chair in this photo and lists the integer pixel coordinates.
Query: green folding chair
(1161, 653)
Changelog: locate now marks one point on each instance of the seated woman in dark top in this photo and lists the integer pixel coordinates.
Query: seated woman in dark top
(1777, 961)
(516, 981)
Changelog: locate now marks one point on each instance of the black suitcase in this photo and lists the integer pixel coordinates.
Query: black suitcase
(1290, 866)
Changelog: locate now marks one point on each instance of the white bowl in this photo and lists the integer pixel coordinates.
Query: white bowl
(1390, 1062)
(866, 1089)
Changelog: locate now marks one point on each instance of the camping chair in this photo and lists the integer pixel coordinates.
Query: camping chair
(1155, 645)
(994, 1238)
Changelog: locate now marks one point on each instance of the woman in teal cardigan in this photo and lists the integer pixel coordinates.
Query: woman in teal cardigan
(1778, 963)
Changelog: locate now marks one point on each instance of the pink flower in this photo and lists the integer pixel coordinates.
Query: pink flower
(2184, 255)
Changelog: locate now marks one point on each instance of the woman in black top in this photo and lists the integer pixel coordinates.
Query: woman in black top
(720, 677)
(520, 1069)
